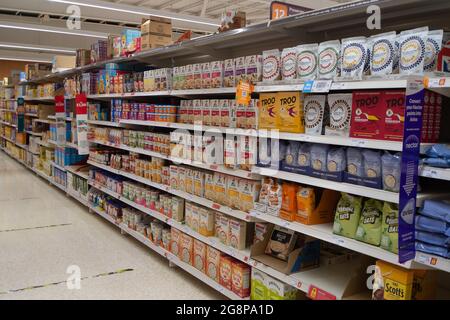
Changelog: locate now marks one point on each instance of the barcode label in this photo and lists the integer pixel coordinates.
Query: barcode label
(321, 86)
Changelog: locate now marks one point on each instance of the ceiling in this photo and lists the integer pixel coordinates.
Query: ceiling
(101, 18)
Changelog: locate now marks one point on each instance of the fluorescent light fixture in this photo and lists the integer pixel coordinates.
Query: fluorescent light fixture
(31, 27)
(25, 59)
(142, 13)
(37, 48)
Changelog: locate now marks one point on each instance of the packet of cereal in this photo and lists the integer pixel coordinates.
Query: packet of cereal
(412, 50)
(220, 186)
(206, 75)
(289, 63)
(214, 105)
(206, 111)
(291, 112)
(329, 56)
(187, 248)
(189, 76)
(383, 53)
(240, 279)
(307, 61)
(253, 68)
(206, 220)
(354, 56)
(216, 74)
(240, 69)
(248, 194)
(232, 197)
(223, 229)
(229, 73)
(271, 65)
(199, 255)
(175, 239)
(269, 115)
(199, 183)
(225, 272)
(213, 257)
(251, 114)
(209, 186)
(182, 78)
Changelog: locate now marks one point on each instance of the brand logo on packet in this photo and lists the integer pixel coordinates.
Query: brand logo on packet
(313, 114)
(306, 63)
(340, 114)
(412, 53)
(382, 55)
(354, 57)
(328, 60)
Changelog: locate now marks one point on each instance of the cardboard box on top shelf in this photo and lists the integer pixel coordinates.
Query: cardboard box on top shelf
(61, 63)
(156, 32)
(45, 110)
(323, 212)
(37, 70)
(232, 20)
(83, 57)
(152, 41)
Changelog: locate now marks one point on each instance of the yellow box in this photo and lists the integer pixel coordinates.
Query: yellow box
(394, 282)
(269, 113)
(291, 118)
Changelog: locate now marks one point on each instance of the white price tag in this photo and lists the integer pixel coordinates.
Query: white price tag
(357, 143)
(321, 86)
(430, 173)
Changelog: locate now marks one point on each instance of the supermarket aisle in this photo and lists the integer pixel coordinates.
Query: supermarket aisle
(42, 232)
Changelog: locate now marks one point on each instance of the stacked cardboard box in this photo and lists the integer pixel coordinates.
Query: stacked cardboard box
(63, 63)
(37, 70)
(99, 51)
(83, 57)
(156, 32)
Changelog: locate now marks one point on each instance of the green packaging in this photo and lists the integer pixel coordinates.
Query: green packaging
(258, 285)
(369, 228)
(348, 212)
(389, 227)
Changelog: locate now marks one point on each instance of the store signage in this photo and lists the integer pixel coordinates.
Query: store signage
(280, 10)
(20, 115)
(410, 168)
(82, 126)
(60, 116)
(244, 92)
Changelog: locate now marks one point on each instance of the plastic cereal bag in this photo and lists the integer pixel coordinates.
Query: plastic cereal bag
(340, 106)
(288, 63)
(354, 55)
(372, 163)
(412, 50)
(319, 157)
(271, 65)
(314, 113)
(369, 228)
(432, 48)
(304, 155)
(307, 61)
(383, 54)
(329, 55)
(391, 168)
(355, 162)
(336, 161)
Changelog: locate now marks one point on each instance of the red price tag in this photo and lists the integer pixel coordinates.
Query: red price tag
(315, 293)
(216, 206)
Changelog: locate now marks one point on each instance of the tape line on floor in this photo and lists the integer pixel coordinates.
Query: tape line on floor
(120, 271)
(39, 227)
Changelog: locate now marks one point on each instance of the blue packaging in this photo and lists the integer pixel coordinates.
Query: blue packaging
(431, 249)
(436, 209)
(433, 238)
(432, 225)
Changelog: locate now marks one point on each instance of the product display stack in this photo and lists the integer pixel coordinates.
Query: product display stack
(334, 162)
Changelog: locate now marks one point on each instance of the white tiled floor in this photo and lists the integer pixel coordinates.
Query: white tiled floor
(41, 256)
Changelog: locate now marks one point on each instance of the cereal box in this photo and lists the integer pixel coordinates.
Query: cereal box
(278, 290)
(206, 220)
(228, 113)
(200, 255)
(291, 112)
(289, 63)
(217, 217)
(175, 78)
(225, 272)
(241, 116)
(253, 68)
(220, 186)
(190, 111)
(248, 193)
(215, 107)
(206, 112)
(216, 74)
(206, 75)
(177, 209)
(195, 218)
(240, 279)
(367, 115)
(175, 239)
(188, 214)
(197, 76)
(223, 229)
(393, 106)
(198, 148)
(174, 177)
(269, 114)
(187, 248)
(198, 111)
(261, 229)
(199, 183)
(240, 69)
(209, 186)
(182, 178)
(251, 114)
(182, 77)
(189, 75)
(232, 197)
(246, 152)
(213, 257)
(230, 153)
(392, 282)
(229, 73)
(238, 233)
(189, 180)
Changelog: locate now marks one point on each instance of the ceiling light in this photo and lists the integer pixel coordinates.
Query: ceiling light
(16, 46)
(135, 12)
(25, 59)
(51, 30)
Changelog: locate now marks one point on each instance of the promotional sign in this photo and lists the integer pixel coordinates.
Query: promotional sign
(20, 115)
(244, 92)
(60, 116)
(82, 126)
(280, 10)
(410, 167)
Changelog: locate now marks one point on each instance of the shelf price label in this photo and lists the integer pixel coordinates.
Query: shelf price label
(316, 293)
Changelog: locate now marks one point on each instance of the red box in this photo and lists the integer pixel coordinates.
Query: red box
(367, 115)
(393, 106)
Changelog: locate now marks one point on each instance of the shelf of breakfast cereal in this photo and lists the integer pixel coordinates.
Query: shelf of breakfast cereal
(214, 167)
(190, 197)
